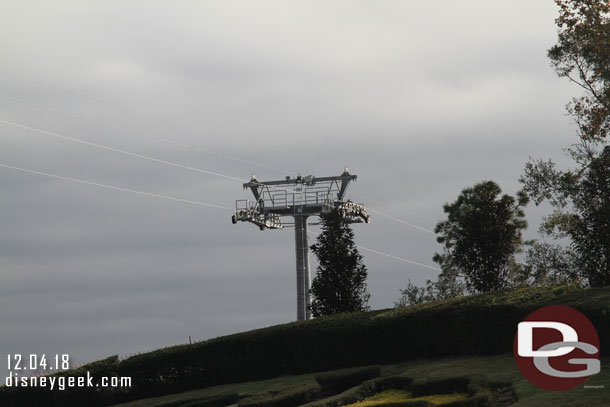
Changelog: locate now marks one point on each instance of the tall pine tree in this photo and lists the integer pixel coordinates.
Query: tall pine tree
(340, 282)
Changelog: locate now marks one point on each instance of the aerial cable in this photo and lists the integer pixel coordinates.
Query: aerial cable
(76, 140)
(187, 146)
(46, 174)
(398, 258)
(401, 221)
(129, 153)
(390, 256)
(386, 204)
(183, 145)
(141, 134)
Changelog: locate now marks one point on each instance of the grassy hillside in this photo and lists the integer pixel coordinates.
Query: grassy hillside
(480, 325)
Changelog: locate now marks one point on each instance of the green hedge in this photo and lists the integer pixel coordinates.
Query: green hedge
(476, 386)
(288, 398)
(218, 401)
(176, 403)
(478, 325)
(349, 396)
(414, 403)
(475, 325)
(425, 387)
(399, 381)
(340, 380)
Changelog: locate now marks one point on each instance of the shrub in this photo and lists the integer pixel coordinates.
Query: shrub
(476, 386)
(340, 380)
(287, 398)
(399, 381)
(476, 325)
(218, 401)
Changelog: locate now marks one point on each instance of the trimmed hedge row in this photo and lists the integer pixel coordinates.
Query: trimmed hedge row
(399, 381)
(485, 325)
(218, 401)
(349, 396)
(475, 325)
(287, 398)
(425, 387)
(340, 380)
(476, 386)
(478, 325)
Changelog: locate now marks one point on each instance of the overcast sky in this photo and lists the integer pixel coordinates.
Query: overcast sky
(420, 99)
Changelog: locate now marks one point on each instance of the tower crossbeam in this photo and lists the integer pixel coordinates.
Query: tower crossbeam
(299, 197)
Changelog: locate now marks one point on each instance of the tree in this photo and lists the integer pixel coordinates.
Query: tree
(481, 235)
(446, 286)
(580, 195)
(340, 282)
(590, 229)
(587, 219)
(413, 295)
(582, 54)
(551, 265)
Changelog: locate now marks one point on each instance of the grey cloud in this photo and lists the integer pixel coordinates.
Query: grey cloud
(419, 99)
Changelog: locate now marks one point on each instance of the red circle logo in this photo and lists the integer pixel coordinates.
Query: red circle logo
(556, 348)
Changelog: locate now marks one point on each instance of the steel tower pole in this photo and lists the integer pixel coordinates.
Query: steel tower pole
(298, 198)
(303, 275)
